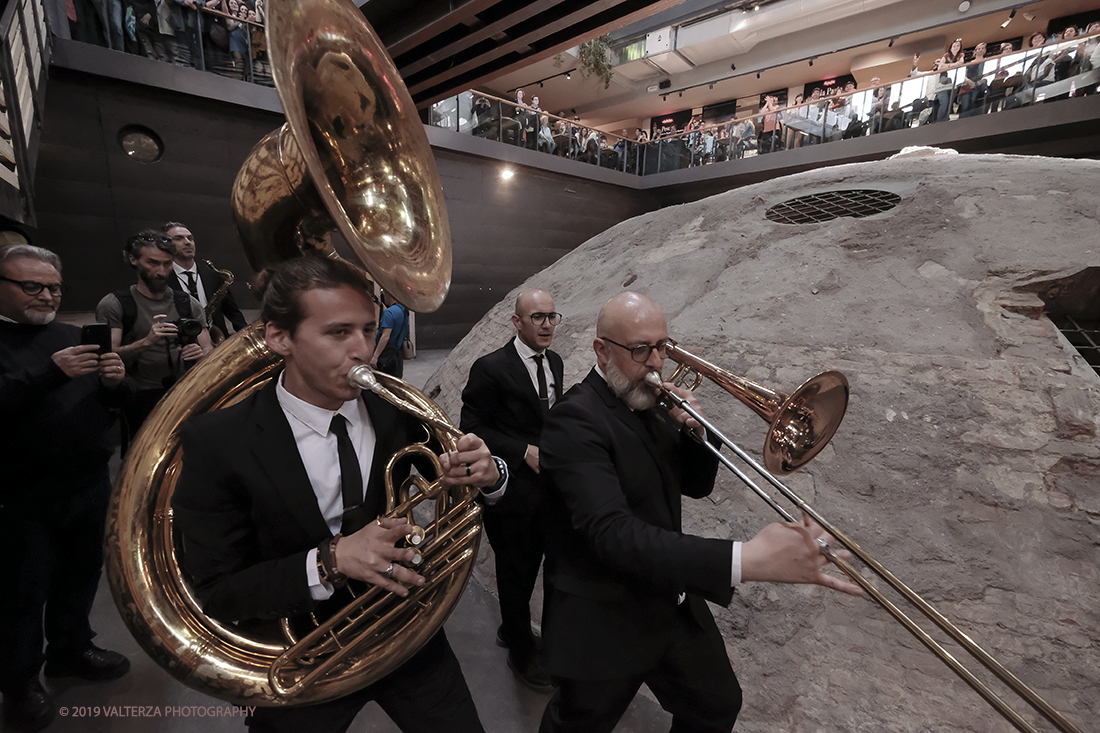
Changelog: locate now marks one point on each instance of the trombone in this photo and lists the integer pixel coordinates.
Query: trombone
(800, 425)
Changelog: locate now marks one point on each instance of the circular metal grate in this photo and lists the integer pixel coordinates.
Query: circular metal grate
(821, 207)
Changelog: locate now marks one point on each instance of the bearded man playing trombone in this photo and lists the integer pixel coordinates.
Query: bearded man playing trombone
(627, 590)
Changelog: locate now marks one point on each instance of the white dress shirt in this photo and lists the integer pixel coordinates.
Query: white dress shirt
(181, 274)
(527, 354)
(317, 446)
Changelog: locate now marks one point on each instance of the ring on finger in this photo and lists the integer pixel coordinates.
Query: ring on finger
(389, 571)
(467, 469)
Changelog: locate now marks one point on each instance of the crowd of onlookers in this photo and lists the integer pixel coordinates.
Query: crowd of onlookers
(960, 83)
(224, 36)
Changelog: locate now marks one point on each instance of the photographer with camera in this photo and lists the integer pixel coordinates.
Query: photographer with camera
(158, 332)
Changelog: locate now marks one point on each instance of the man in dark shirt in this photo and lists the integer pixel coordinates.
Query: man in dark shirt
(55, 395)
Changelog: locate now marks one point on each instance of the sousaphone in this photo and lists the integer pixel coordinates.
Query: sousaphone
(352, 157)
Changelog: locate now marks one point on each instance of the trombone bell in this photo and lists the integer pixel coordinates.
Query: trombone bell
(801, 423)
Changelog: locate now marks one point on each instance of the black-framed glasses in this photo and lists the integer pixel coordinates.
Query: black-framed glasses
(32, 287)
(539, 318)
(641, 352)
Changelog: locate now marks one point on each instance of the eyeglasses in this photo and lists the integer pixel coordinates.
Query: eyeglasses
(539, 318)
(30, 287)
(154, 238)
(641, 352)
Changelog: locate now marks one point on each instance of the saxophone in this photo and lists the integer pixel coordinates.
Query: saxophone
(216, 334)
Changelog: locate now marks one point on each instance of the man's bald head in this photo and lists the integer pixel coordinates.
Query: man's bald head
(626, 321)
(625, 313)
(529, 298)
(537, 332)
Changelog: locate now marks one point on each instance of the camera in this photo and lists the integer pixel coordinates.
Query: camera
(188, 330)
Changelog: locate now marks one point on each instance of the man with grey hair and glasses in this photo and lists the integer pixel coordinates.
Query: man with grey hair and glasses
(57, 396)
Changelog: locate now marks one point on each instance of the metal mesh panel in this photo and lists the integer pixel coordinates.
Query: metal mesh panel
(1084, 335)
(821, 207)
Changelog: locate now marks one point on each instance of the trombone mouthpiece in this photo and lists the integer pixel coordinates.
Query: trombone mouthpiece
(653, 379)
(363, 377)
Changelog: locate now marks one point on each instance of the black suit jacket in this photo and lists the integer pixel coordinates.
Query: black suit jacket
(501, 406)
(616, 559)
(211, 281)
(246, 510)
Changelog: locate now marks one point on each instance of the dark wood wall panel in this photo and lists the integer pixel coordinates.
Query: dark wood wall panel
(92, 197)
(504, 231)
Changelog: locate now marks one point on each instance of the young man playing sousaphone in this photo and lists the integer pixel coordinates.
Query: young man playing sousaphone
(268, 483)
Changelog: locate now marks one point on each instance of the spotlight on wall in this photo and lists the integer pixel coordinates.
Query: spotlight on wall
(540, 85)
(964, 6)
(568, 75)
(712, 86)
(733, 67)
(506, 173)
(758, 75)
(891, 44)
(664, 97)
(811, 62)
(681, 94)
(1010, 17)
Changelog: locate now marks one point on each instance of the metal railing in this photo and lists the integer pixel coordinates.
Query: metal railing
(989, 85)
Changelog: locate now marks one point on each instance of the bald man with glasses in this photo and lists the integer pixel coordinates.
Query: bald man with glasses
(505, 402)
(626, 587)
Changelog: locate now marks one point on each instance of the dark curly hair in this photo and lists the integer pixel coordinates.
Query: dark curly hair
(282, 286)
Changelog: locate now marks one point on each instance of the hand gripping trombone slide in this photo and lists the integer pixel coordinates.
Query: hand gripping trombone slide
(801, 424)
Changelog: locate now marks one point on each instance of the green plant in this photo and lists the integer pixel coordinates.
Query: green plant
(595, 59)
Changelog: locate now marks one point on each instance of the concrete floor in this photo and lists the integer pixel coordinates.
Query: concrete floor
(505, 705)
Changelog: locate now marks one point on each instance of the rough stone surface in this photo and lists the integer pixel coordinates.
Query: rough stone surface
(967, 464)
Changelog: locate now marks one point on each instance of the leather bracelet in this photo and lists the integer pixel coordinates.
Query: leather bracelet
(326, 563)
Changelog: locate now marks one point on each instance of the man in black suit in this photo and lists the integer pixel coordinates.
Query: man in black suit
(628, 590)
(505, 402)
(199, 279)
(274, 510)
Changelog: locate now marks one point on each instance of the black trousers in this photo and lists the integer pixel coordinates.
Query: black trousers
(693, 680)
(427, 694)
(54, 556)
(518, 542)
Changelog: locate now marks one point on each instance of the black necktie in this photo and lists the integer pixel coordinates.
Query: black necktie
(544, 395)
(351, 478)
(192, 287)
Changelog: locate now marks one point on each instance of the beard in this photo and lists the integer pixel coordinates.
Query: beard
(38, 318)
(155, 284)
(637, 395)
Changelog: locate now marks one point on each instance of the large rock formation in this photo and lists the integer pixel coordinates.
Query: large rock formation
(968, 460)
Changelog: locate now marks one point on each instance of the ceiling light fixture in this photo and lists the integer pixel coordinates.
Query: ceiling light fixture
(733, 67)
(1010, 17)
(811, 62)
(891, 43)
(506, 173)
(681, 94)
(758, 75)
(568, 75)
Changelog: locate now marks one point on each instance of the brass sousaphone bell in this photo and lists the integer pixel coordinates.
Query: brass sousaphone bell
(352, 157)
